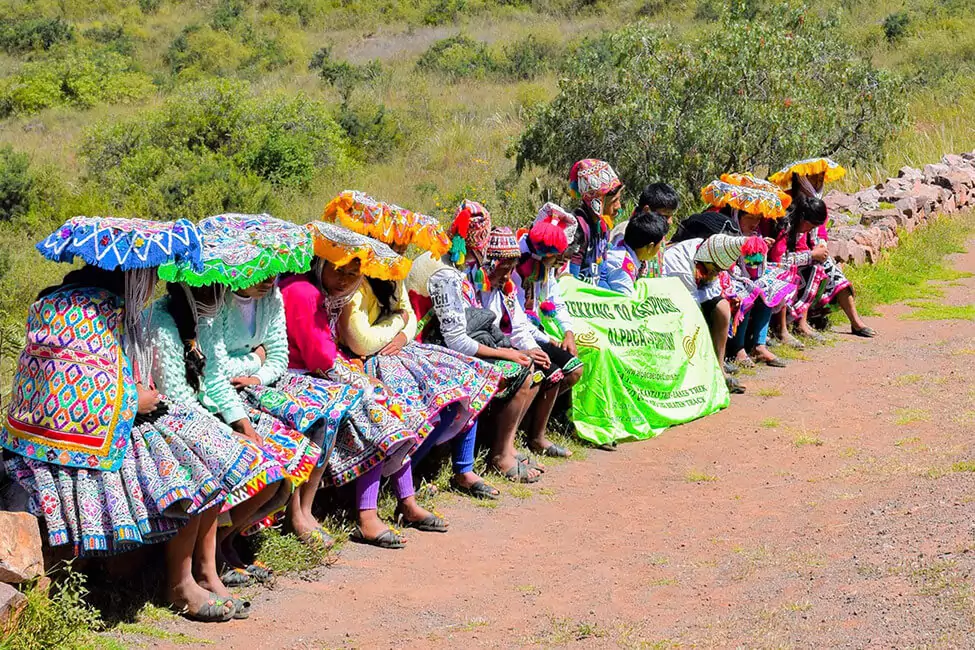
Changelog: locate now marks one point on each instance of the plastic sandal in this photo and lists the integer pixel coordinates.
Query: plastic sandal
(775, 363)
(519, 474)
(236, 577)
(432, 523)
(215, 610)
(261, 572)
(730, 368)
(389, 538)
(317, 539)
(555, 451)
(479, 490)
(734, 386)
(525, 459)
(864, 332)
(242, 608)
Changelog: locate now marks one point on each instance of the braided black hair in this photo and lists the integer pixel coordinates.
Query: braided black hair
(182, 313)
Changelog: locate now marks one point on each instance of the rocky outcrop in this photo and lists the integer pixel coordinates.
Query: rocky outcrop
(866, 222)
(20, 547)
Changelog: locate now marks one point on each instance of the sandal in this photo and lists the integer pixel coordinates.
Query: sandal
(554, 451)
(730, 368)
(609, 446)
(865, 332)
(525, 459)
(479, 490)
(519, 474)
(213, 611)
(261, 572)
(389, 538)
(242, 608)
(317, 539)
(734, 386)
(234, 577)
(432, 523)
(794, 343)
(774, 363)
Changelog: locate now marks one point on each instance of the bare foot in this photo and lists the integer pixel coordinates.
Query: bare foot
(211, 581)
(762, 353)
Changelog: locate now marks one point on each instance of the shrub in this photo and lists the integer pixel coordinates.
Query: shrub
(456, 57)
(895, 26)
(530, 57)
(59, 619)
(114, 36)
(15, 183)
(149, 7)
(37, 34)
(202, 49)
(73, 77)
(215, 147)
(444, 11)
(745, 94)
(374, 131)
(343, 75)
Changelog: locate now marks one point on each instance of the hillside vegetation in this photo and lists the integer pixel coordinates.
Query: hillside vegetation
(167, 108)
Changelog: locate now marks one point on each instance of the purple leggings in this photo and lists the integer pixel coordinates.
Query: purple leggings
(367, 485)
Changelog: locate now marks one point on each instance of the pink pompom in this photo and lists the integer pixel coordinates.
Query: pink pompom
(546, 234)
(754, 246)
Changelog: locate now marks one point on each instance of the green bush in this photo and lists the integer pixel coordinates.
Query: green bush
(16, 183)
(343, 75)
(531, 57)
(72, 76)
(114, 36)
(61, 618)
(895, 26)
(36, 34)
(441, 12)
(215, 147)
(458, 56)
(204, 50)
(741, 96)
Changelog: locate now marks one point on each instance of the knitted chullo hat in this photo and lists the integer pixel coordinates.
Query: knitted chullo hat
(553, 230)
(469, 232)
(503, 246)
(591, 180)
(724, 250)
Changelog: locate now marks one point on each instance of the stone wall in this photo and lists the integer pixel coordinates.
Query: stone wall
(866, 222)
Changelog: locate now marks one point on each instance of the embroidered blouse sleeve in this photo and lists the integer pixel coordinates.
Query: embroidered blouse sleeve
(275, 339)
(308, 326)
(447, 296)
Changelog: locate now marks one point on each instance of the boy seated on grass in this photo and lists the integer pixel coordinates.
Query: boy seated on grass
(639, 255)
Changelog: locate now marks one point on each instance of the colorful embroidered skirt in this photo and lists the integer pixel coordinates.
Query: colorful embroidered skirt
(513, 376)
(175, 467)
(429, 378)
(819, 285)
(776, 286)
(562, 363)
(379, 429)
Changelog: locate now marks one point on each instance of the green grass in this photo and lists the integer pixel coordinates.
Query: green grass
(56, 617)
(284, 553)
(908, 380)
(769, 392)
(927, 310)
(963, 466)
(907, 271)
(770, 423)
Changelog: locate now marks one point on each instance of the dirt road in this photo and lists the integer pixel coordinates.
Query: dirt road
(831, 506)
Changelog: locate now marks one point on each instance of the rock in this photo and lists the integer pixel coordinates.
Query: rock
(948, 207)
(870, 238)
(953, 160)
(859, 254)
(12, 603)
(869, 199)
(839, 249)
(934, 170)
(871, 218)
(20, 547)
(837, 201)
(906, 206)
(927, 197)
(910, 173)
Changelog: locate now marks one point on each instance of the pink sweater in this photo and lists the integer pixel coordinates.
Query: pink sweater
(311, 345)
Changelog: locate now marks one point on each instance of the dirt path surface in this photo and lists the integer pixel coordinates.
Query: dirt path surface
(836, 512)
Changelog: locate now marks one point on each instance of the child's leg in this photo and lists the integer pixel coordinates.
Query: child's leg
(182, 589)
(405, 492)
(758, 336)
(205, 555)
(506, 423)
(719, 324)
(538, 427)
(848, 304)
(242, 516)
(736, 343)
(367, 500)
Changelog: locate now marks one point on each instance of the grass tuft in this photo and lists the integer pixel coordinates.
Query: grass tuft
(927, 310)
(804, 440)
(285, 553)
(907, 416)
(697, 476)
(58, 616)
(770, 423)
(963, 466)
(770, 392)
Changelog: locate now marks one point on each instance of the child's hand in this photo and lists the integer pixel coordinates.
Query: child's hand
(244, 382)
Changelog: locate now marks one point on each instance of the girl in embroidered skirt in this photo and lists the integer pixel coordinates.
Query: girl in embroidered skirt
(442, 291)
(185, 338)
(377, 441)
(541, 249)
(112, 464)
(258, 394)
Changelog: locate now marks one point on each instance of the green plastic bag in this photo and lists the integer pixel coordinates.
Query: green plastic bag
(649, 362)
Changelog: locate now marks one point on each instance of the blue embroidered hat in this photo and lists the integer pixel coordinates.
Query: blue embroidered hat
(113, 243)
